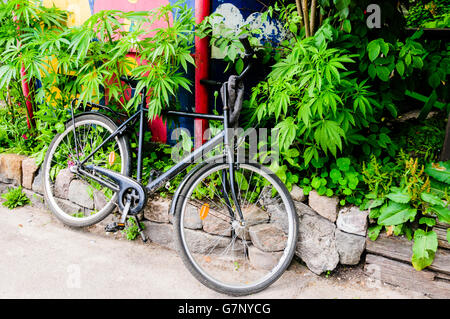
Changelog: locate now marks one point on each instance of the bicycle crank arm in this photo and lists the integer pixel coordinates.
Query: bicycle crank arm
(129, 189)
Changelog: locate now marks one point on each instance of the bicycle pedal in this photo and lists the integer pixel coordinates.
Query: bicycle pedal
(114, 227)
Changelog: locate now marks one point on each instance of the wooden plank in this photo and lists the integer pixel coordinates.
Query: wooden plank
(400, 248)
(441, 224)
(403, 275)
(442, 237)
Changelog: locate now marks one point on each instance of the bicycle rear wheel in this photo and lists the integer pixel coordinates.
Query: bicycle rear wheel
(78, 200)
(224, 253)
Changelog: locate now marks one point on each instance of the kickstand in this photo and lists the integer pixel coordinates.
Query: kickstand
(141, 231)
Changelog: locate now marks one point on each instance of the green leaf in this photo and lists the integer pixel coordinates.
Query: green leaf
(335, 175)
(402, 198)
(286, 134)
(396, 213)
(439, 171)
(343, 163)
(434, 80)
(373, 49)
(374, 231)
(430, 222)
(400, 66)
(424, 248)
(239, 66)
(432, 199)
(347, 26)
(383, 73)
(443, 213)
(316, 182)
(375, 203)
(374, 213)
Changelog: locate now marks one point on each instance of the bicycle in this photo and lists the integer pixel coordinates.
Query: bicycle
(235, 222)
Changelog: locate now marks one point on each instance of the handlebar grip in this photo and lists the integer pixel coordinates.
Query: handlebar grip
(248, 48)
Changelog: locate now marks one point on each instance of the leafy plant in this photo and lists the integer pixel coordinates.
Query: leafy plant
(15, 197)
(132, 230)
(411, 209)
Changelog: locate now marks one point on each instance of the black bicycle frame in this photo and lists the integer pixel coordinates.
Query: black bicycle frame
(224, 137)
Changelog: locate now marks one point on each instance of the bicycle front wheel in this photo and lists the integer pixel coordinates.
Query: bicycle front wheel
(225, 253)
(75, 199)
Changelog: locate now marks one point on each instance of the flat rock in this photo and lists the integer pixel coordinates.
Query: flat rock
(316, 244)
(268, 237)
(297, 194)
(68, 207)
(324, 205)
(37, 185)
(100, 200)
(80, 194)
(29, 169)
(157, 210)
(159, 233)
(204, 243)
(62, 183)
(217, 223)
(349, 247)
(253, 215)
(352, 220)
(263, 260)
(11, 167)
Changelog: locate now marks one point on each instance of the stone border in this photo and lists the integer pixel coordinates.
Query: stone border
(328, 234)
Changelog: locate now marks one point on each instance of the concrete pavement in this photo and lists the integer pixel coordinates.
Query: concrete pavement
(41, 258)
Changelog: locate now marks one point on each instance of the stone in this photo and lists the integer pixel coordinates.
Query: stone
(68, 207)
(100, 200)
(297, 194)
(29, 169)
(81, 193)
(217, 223)
(324, 205)
(266, 198)
(36, 200)
(204, 243)
(11, 167)
(278, 216)
(316, 244)
(38, 186)
(302, 209)
(268, 237)
(159, 233)
(253, 215)
(263, 260)
(192, 217)
(157, 211)
(62, 183)
(352, 220)
(349, 247)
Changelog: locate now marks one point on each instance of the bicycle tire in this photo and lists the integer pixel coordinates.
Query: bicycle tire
(186, 256)
(125, 154)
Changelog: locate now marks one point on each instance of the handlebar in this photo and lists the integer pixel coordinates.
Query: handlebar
(247, 47)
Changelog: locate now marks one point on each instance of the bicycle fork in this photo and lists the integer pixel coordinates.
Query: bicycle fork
(231, 181)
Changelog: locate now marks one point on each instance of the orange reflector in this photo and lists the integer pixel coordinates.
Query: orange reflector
(112, 158)
(204, 211)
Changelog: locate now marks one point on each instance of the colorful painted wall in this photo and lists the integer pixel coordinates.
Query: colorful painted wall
(235, 14)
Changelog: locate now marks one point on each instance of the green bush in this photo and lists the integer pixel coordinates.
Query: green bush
(15, 198)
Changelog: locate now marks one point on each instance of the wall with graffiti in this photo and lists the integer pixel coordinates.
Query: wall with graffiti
(235, 14)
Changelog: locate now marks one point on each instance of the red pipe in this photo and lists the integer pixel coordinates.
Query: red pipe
(202, 9)
(26, 93)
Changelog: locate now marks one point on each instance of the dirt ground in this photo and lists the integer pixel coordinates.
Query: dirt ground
(42, 258)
